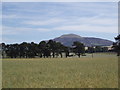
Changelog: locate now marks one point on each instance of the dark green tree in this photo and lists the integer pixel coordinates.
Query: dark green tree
(91, 50)
(32, 49)
(52, 47)
(12, 50)
(98, 49)
(104, 49)
(3, 50)
(116, 45)
(79, 48)
(24, 50)
(44, 50)
(66, 51)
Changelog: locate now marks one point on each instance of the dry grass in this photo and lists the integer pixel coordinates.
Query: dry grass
(98, 72)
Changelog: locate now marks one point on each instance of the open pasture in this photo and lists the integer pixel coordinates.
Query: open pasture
(84, 72)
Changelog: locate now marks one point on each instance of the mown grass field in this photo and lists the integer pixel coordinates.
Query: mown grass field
(85, 72)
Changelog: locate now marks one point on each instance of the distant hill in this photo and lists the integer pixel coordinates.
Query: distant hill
(68, 40)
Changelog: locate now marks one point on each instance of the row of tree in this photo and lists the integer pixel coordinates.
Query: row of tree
(94, 49)
(51, 49)
(43, 49)
(46, 49)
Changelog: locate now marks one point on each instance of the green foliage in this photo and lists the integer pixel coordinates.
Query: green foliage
(79, 48)
(91, 50)
(98, 49)
(43, 49)
(116, 45)
(46, 49)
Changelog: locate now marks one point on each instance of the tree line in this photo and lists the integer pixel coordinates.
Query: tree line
(49, 49)
(116, 45)
(43, 49)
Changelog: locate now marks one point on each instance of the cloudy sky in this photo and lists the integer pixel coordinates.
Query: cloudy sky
(36, 21)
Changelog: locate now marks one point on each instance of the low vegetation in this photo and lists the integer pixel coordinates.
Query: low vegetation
(84, 72)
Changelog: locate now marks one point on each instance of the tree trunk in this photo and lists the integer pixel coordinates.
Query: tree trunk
(53, 54)
(79, 55)
(61, 55)
(118, 53)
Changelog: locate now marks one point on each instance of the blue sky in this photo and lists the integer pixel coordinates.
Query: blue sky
(37, 21)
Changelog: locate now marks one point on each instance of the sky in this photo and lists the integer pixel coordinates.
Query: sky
(37, 21)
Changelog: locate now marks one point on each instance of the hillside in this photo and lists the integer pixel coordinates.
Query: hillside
(68, 40)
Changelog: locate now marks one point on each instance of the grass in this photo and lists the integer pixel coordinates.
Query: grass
(97, 72)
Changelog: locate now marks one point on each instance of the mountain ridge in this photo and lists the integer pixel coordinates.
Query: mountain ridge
(68, 39)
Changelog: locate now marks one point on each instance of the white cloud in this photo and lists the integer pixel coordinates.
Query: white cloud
(94, 24)
(99, 21)
(44, 22)
(9, 16)
(88, 28)
(96, 20)
(17, 30)
(15, 16)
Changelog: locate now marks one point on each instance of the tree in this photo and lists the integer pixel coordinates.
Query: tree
(24, 50)
(91, 50)
(116, 45)
(12, 50)
(2, 50)
(66, 51)
(32, 49)
(15, 50)
(43, 49)
(59, 49)
(53, 47)
(79, 48)
(98, 49)
(105, 49)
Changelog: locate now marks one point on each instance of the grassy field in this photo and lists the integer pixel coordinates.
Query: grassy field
(86, 72)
